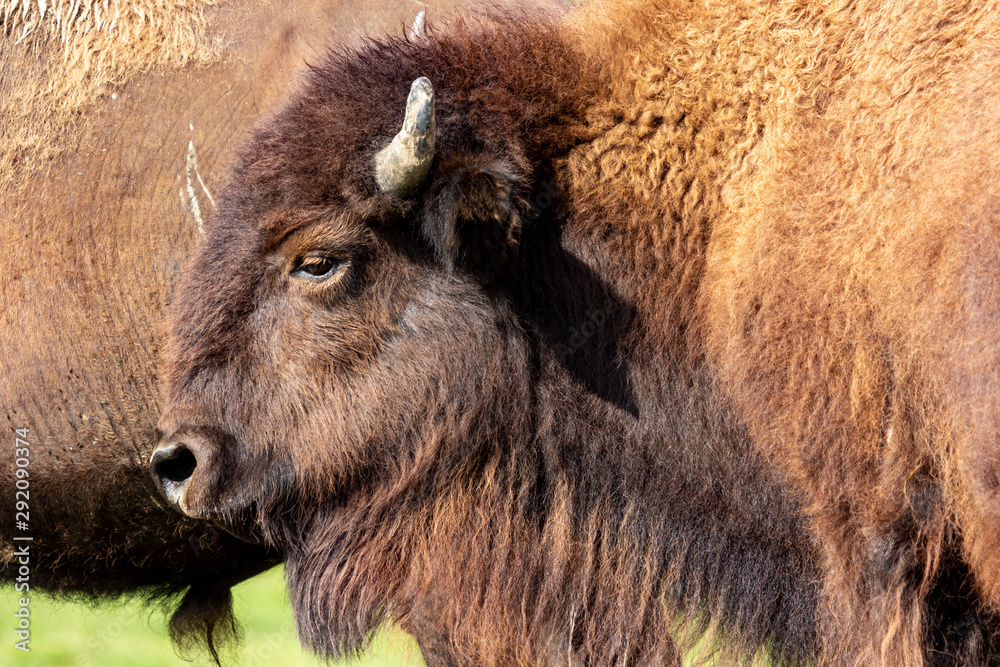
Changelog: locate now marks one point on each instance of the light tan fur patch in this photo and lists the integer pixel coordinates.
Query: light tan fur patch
(60, 56)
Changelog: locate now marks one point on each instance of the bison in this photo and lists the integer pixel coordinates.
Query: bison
(114, 125)
(655, 320)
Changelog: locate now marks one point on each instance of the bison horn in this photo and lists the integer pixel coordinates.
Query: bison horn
(419, 28)
(402, 166)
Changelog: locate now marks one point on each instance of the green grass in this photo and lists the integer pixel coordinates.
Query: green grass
(70, 634)
(128, 634)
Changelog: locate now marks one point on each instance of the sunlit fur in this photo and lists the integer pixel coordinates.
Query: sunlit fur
(737, 372)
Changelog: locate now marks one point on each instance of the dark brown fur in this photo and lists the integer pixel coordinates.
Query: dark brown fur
(730, 372)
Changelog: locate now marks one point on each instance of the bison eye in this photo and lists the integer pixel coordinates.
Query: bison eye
(316, 267)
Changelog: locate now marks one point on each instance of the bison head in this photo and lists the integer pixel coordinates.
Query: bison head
(361, 328)
(337, 333)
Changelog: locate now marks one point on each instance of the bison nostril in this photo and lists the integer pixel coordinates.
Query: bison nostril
(172, 468)
(175, 465)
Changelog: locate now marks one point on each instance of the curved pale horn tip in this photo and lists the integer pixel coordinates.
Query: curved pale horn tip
(402, 166)
(419, 28)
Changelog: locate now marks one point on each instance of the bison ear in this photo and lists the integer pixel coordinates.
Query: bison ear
(472, 222)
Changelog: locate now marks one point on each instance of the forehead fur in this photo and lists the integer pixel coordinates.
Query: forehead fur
(318, 151)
